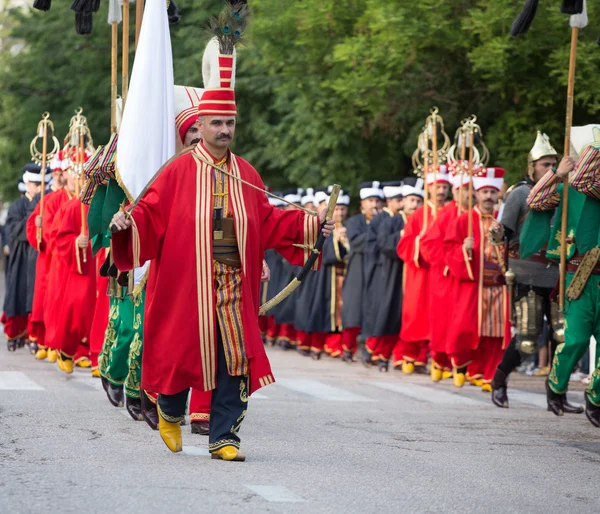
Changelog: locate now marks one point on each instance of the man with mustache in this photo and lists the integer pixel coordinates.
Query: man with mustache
(207, 232)
(480, 327)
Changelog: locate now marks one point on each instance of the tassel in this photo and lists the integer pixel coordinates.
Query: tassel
(572, 7)
(86, 6)
(580, 20)
(84, 23)
(42, 5)
(523, 22)
(114, 12)
(173, 13)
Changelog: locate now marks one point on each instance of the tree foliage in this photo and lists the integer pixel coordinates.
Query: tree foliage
(330, 90)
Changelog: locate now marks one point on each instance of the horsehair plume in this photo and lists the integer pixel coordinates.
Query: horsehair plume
(579, 20)
(84, 23)
(523, 22)
(173, 13)
(572, 7)
(42, 5)
(229, 26)
(85, 6)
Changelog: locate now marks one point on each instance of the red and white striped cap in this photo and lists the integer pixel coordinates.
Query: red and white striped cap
(489, 177)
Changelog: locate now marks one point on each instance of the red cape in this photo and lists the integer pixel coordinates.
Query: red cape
(174, 222)
(440, 282)
(52, 203)
(464, 331)
(415, 302)
(69, 305)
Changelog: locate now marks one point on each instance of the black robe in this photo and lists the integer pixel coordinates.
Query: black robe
(371, 259)
(285, 312)
(388, 278)
(352, 291)
(274, 261)
(20, 275)
(323, 301)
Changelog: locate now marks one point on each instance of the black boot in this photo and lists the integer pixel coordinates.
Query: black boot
(367, 358)
(149, 412)
(285, 344)
(134, 407)
(348, 356)
(316, 354)
(592, 412)
(104, 383)
(200, 427)
(570, 408)
(33, 347)
(499, 386)
(20, 343)
(115, 394)
(383, 366)
(555, 401)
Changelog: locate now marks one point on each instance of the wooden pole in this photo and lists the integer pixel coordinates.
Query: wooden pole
(463, 152)
(470, 199)
(113, 77)
(44, 125)
(567, 151)
(434, 158)
(139, 14)
(125, 53)
(425, 185)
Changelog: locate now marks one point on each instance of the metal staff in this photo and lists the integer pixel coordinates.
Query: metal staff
(433, 128)
(470, 199)
(42, 158)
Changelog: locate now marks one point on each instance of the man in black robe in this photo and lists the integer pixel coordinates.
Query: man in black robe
(388, 276)
(20, 276)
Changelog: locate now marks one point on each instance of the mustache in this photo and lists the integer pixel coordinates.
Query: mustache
(195, 141)
(223, 136)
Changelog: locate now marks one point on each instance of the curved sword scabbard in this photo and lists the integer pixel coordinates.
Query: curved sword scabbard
(310, 262)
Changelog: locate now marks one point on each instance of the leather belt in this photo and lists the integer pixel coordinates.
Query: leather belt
(573, 264)
(225, 249)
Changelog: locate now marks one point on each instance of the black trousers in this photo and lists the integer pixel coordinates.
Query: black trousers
(512, 357)
(227, 409)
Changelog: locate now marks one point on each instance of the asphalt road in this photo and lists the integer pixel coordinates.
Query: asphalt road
(327, 437)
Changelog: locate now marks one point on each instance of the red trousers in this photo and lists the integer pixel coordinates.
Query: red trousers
(200, 405)
(263, 324)
(15, 327)
(441, 360)
(37, 333)
(333, 344)
(272, 330)
(489, 354)
(317, 341)
(349, 339)
(100, 320)
(83, 351)
(414, 351)
(287, 332)
(304, 340)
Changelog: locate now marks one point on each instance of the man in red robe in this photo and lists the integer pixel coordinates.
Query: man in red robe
(480, 327)
(440, 292)
(206, 233)
(52, 203)
(70, 298)
(413, 345)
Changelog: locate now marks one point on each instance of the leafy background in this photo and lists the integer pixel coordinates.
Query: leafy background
(328, 90)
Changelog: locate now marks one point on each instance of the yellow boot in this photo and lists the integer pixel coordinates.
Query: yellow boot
(436, 373)
(486, 388)
(408, 368)
(52, 356)
(170, 433)
(228, 453)
(459, 379)
(477, 382)
(83, 362)
(446, 375)
(41, 354)
(65, 365)
(96, 373)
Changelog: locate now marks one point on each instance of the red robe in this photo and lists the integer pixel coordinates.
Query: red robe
(174, 223)
(415, 303)
(464, 333)
(52, 203)
(70, 299)
(440, 290)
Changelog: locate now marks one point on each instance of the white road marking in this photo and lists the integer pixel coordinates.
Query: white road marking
(196, 451)
(17, 381)
(321, 391)
(537, 400)
(275, 493)
(428, 394)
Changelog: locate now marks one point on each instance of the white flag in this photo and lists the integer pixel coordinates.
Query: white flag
(147, 133)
